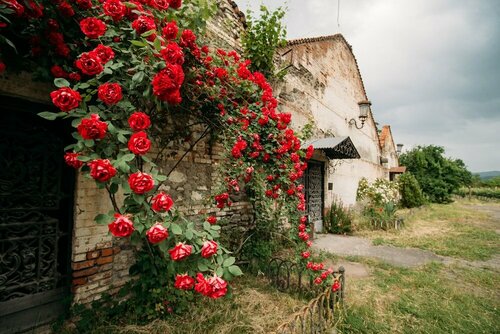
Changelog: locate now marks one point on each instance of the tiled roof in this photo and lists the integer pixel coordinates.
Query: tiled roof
(397, 170)
(386, 131)
(238, 12)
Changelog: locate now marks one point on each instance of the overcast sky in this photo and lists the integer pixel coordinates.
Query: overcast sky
(431, 67)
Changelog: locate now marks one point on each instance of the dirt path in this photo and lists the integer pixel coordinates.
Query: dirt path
(403, 257)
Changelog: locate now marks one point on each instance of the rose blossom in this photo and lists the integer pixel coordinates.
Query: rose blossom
(335, 286)
(170, 30)
(180, 251)
(92, 27)
(159, 4)
(157, 233)
(140, 182)
(305, 255)
(92, 128)
(114, 9)
(101, 170)
(173, 54)
(219, 287)
(143, 23)
(122, 226)
(139, 121)
(105, 53)
(202, 286)
(212, 220)
(89, 63)
(167, 82)
(209, 248)
(139, 143)
(161, 202)
(184, 282)
(110, 93)
(71, 159)
(65, 9)
(58, 72)
(66, 98)
(175, 4)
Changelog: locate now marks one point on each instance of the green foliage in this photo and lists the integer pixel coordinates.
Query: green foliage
(487, 192)
(438, 176)
(338, 219)
(379, 201)
(411, 194)
(263, 36)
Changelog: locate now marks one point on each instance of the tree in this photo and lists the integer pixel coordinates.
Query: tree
(438, 176)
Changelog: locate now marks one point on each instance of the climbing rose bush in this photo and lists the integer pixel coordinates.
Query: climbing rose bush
(122, 67)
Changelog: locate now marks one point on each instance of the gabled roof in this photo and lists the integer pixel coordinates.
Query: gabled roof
(384, 135)
(335, 147)
(339, 37)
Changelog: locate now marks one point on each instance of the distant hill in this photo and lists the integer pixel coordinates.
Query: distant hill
(488, 175)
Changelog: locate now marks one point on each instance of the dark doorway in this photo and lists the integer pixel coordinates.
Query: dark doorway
(314, 186)
(36, 215)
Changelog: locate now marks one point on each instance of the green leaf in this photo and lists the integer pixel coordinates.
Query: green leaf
(138, 77)
(157, 44)
(207, 226)
(113, 188)
(102, 219)
(122, 139)
(138, 43)
(220, 272)
(128, 157)
(189, 234)
(84, 158)
(235, 270)
(148, 33)
(202, 267)
(176, 229)
(61, 82)
(229, 262)
(48, 115)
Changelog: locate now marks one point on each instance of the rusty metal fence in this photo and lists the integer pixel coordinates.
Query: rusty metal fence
(322, 312)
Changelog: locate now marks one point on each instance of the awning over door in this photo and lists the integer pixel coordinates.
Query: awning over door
(335, 147)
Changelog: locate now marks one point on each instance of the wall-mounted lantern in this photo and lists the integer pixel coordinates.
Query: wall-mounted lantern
(364, 109)
(399, 148)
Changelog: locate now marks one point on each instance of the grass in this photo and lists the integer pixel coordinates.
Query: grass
(454, 230)
(432, 299)
(255, 307)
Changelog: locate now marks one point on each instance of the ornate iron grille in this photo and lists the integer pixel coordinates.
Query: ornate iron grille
(314, 186)
(35, 217)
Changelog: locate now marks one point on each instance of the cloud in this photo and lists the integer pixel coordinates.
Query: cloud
(430, 67)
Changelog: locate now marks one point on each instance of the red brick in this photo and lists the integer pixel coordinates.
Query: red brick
(80, 281)
(82, 264)
(117, 249)
(85, 272)
(104, 260)
(107, 252)
(93, 255)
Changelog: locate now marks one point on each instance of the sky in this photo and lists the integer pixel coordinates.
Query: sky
(431, 68)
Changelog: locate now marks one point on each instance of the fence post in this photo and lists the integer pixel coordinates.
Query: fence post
(342, 282)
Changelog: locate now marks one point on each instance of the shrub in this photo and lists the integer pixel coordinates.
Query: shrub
(338, 219)
(411, 194)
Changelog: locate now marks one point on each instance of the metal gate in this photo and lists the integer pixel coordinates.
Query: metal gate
(314, 186)
(36, 206)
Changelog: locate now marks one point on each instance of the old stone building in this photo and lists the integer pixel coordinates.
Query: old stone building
(52, 249)
(324, 90)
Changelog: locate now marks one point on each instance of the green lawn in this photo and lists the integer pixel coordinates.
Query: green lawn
(452, 230)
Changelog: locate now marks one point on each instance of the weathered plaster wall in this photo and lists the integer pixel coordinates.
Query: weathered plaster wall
(323, 87)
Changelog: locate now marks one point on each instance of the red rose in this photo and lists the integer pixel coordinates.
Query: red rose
(66, 98)
(139, 143)
(143, 23)
(92, 27)
(140, 182)
(61, 49)
(162, 202)
(2, 67)
(101, 170)
(318, 280)
(184, 282)
(92, 128)
(110, 93)
(305, 255)
(71, 160)
(74, 76)
(219, 287)
(180, 251)
(105, 53)
(159, 4)
(202, 286)
(336, 286)
(212, 220)
(188, 38)
(84, 4)
(66, 9)
(139, 121)
(208, 249)
(89, 63)
(173, 54)
(34, 9)
(170, 30)
(58, 72)
(175, 4)
(304, 236)
(16, 6)
(167, 82)
(157, 233)
(114, 9)
(122, 226)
